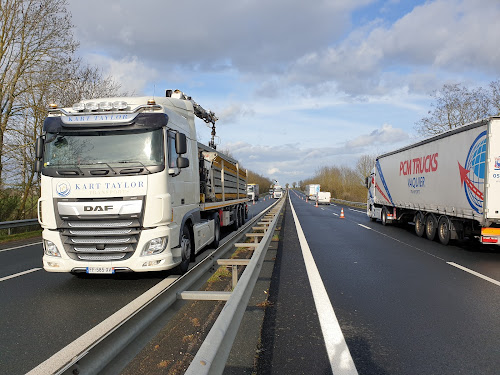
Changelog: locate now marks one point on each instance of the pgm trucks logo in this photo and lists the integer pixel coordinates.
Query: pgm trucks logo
(63, 188)
(472, 173)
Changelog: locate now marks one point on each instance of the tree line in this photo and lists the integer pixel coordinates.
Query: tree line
(38, 66)
(343, 182)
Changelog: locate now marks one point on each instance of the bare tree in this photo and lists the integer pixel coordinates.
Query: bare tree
(32, 33)
(365, 165)
(455, 106)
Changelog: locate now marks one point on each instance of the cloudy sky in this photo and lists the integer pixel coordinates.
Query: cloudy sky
(296, 84)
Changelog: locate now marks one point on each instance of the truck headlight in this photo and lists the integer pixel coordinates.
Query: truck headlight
(50, 249)
(155, 246)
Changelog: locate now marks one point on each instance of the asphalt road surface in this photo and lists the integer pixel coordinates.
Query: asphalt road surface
(405, 305)
(42, 312)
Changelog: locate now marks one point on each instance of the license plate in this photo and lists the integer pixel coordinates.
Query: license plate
(100, 270)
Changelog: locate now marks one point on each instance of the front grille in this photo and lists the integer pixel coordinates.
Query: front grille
(100, 240)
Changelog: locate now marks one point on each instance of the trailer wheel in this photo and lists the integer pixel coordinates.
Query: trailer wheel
(443, 230)
(430, 226)
(419, 224)
(384, 216)
(186, 251)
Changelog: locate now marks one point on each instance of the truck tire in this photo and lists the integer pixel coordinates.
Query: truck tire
(430, 226)
(443, 230)
(186, 251)
(384, 216)
(419, 224)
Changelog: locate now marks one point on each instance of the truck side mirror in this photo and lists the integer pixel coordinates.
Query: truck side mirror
(366, 181)
(180, 144)
(39, 148)
(182, 162)
(38, 165)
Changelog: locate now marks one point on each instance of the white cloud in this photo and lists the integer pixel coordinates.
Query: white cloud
(131, 73)
(386, 135)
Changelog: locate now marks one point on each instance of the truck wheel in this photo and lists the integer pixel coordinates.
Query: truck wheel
(443, 230)
(419, 224)
(384, 216)
(430, 226)
(215, 243)
(186, 251)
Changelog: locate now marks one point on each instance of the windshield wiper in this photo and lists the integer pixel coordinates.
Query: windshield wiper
(68, 171)
(109, 166)
(138, 162)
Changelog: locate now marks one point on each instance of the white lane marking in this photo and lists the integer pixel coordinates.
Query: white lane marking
(322, 208)
(364, 226)
(338, 353)
(19, 274)
(335, 214)
(352, 209)
(493, 281)
(85, 341)
(18, 247)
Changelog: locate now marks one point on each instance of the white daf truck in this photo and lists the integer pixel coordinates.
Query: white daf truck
(126, 187)
(447, 185)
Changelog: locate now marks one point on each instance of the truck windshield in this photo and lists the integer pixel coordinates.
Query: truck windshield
(111, 148)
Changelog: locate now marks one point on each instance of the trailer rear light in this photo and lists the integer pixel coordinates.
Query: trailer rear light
(489, 239)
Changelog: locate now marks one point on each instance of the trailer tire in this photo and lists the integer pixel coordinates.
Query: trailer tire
(384, 216)
(430, 226)
(443, 230)
(186, 251)
(419, 224)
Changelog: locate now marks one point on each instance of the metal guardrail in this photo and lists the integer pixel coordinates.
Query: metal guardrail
(349, 203)
(212, 356)
(17, 223)
(110, 345)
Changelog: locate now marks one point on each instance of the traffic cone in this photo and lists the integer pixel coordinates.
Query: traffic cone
(306, 199)
(316, 202)
(342, 213)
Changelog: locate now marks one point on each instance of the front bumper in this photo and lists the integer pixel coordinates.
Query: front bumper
(167, 259)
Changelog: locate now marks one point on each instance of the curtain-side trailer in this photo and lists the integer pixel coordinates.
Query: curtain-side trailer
(447, 185)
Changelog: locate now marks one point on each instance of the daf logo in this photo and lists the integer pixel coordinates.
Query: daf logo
(97, 208)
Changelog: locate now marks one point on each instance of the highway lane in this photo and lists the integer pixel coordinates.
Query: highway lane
(403, 308)
(42, 312)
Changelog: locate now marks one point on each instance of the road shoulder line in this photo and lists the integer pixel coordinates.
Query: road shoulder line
(338, 353)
